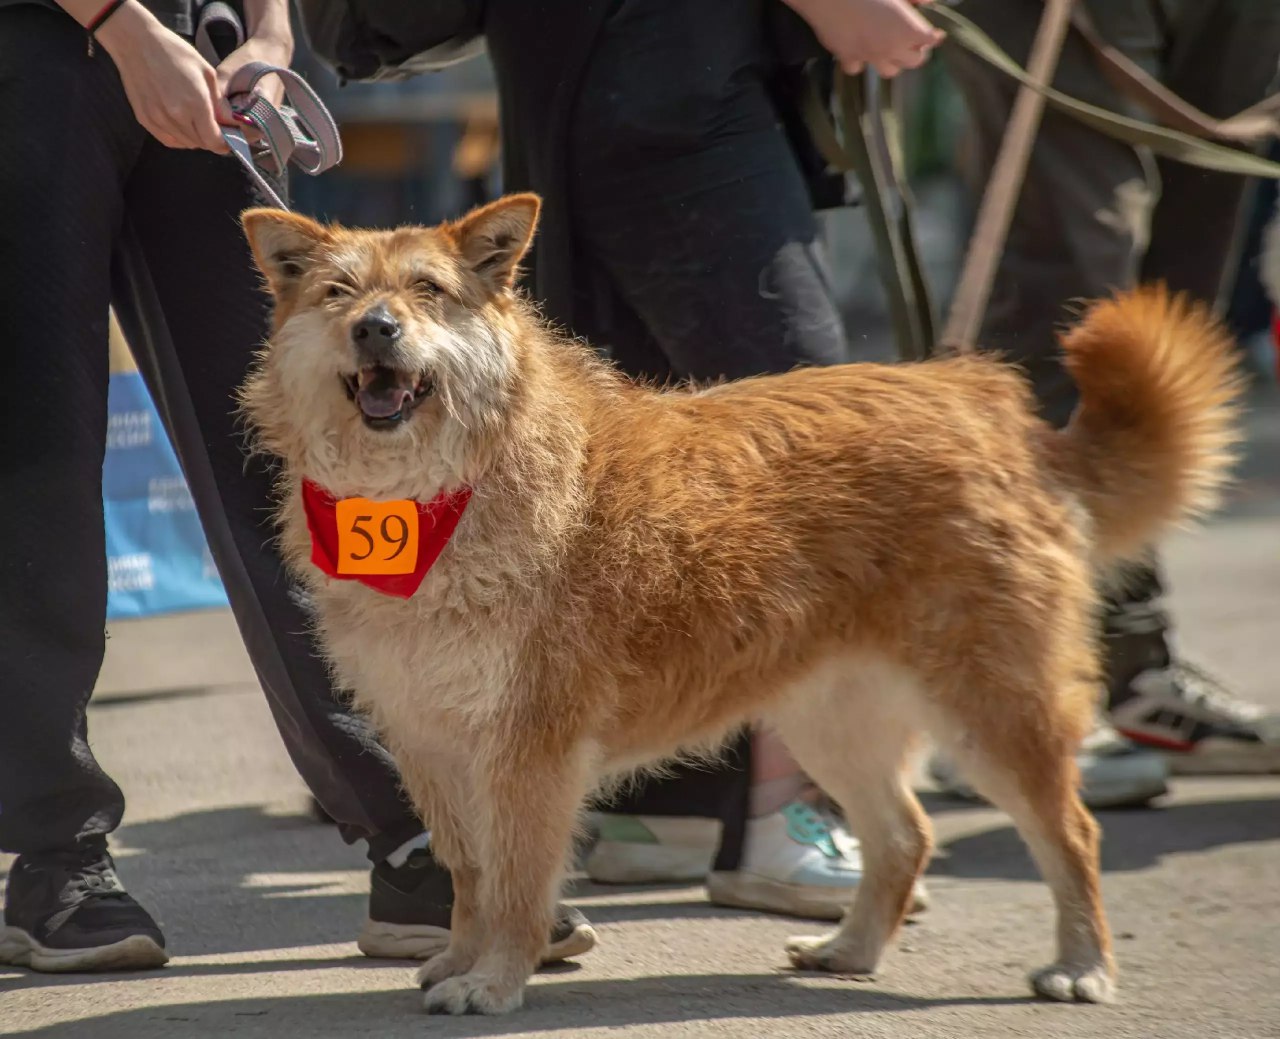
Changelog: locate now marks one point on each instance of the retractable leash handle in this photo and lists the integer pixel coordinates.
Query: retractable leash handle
(301, 132)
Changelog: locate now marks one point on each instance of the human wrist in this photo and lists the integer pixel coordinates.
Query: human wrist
(268, 21)
(126, 29)
(280, 41)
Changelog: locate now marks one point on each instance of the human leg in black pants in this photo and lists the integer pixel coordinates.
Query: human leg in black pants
(87, 186)
(699, 258)
(96, 213)
(62, 199)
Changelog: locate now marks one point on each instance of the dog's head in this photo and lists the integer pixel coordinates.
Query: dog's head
(389, 348)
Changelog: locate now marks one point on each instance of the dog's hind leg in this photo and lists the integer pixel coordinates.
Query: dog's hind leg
(852, 733)
(1018, 750)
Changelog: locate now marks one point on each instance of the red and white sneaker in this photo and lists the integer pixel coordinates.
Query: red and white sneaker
(1196, 721)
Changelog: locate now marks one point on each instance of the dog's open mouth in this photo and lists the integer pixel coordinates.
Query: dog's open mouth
(386, 396)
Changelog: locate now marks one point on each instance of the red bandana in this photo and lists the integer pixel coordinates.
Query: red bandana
(437, 520)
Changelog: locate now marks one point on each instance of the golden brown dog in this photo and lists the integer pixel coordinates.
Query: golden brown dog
(857, 554)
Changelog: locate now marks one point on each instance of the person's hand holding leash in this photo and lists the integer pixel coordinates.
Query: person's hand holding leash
(888, 35)
(172, 90)
(270, 41)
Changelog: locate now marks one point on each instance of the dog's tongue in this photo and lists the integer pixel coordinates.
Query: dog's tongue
(383, 392)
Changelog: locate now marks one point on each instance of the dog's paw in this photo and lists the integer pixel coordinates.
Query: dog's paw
(441, 967)
(472, 994)
(827, 953)
(1067, 984)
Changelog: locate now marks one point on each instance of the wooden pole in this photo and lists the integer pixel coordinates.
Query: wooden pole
(991, 229)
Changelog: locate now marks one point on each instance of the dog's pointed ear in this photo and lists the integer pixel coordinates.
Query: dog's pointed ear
(283, 244)
(494, 238)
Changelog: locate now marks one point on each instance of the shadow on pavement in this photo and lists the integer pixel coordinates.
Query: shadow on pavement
(1132, 840)
(25, 979)
(549, 1005)
(240, 880)
(290, 883)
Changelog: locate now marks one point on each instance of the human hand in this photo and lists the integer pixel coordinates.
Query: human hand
(888, 35)
(171, 89)
(274, 48)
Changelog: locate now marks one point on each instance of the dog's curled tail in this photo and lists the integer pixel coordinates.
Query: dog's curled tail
(1152, 441)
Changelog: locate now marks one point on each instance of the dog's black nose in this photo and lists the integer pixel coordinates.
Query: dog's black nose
(376, 328)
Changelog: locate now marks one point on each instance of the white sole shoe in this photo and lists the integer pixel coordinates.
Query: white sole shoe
(800, 861)
(137, 952)
(1196, 723)
(652, 849)
(384, 941)
(743, 890)
(622, 862)
(572, 936)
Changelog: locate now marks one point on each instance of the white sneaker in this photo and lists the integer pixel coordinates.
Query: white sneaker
(1113, 772)
(1196, 722)
(652, 849)
(800, 861)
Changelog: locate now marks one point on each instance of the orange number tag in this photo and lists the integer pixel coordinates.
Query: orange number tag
(377, 537)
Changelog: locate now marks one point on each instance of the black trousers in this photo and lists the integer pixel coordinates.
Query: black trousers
(93, 211)
(696, 246)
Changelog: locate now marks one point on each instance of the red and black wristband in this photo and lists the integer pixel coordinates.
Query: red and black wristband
(96, 22)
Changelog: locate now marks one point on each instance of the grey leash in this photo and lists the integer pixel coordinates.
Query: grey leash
(301, 131)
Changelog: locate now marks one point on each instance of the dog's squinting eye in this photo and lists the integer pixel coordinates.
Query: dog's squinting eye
(336, 290)
(426, 286)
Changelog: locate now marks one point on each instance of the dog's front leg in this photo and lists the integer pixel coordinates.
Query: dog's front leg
(464, 930)
(528, 799)
(441, 793)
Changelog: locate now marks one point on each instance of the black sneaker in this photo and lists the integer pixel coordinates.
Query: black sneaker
(1182, 710)
(67, 911)
(410, 909)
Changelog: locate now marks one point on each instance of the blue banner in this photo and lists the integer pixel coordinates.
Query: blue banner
(157, 558)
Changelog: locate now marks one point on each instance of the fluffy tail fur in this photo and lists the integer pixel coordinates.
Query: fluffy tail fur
(1152, 441)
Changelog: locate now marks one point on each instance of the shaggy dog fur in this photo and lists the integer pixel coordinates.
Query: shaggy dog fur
(856, 554)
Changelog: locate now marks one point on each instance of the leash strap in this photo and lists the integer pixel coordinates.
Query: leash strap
(1250, 126)
(300, 132)
(1185, 138)
(217, 15)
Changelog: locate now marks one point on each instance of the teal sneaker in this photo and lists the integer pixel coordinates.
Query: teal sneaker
(800, 861)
